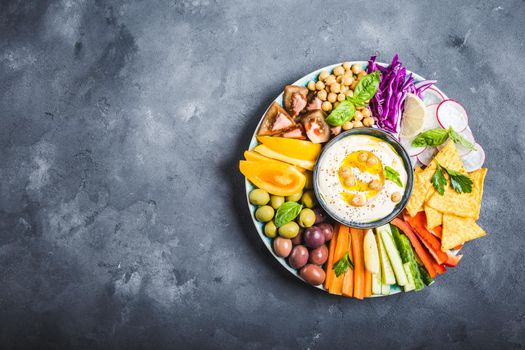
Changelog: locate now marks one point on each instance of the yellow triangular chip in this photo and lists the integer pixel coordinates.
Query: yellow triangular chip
(447, 157)
(457, 230)
(434, 217)
(461, 204)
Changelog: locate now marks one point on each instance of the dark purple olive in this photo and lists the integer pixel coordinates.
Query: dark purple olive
(298, 257)
(299, 238)
(313, 274)
(320, 216)
(319, 255)
(327, 229)
(313, 237)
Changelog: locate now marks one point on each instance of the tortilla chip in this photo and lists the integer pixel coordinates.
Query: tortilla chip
(461, 204)
(417, 170)
(447, 157)
(434, 217)
(457, 230)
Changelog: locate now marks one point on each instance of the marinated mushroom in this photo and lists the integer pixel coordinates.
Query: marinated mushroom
(295, 99)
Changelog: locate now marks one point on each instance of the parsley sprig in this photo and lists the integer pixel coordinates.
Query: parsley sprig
(392, 175)
(342, 265)
(459, 182)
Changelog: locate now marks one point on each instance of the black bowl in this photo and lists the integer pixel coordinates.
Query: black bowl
(389, 138)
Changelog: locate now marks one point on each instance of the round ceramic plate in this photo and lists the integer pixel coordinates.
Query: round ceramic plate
(259, 226)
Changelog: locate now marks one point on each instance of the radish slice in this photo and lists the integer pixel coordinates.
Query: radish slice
(451, 114)
(427, 155)
(412, 151)
(474, 159)
(431, 96)
(431, 121)
(413, 160)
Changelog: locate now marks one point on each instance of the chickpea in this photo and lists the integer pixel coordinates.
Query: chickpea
(339, 79)
(344, 88)
(375, 185)
(356, 69)
(311, 85)
(335, 88)
(347, 126)
(366, 112)
(350, 181)
(368, 121)
(322, 95)
(396, 197)
(332, 97)
(361, 75)
(346, 172)
(341, 97)
(336, 104)
(358, 200)
(330, 80)
(326, 106)
(347, 66)
(372, 161)
(319, 85)
(339, 71)
(347, 80)
(353, 85)
(363, 157)
(358, 116)
(349, 93)
(358, 124)
(323, 75)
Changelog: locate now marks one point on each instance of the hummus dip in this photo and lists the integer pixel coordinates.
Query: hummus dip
(361, 178)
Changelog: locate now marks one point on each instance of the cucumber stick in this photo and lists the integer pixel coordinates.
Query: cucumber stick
(393, 254)
(387, 274)
(410, 284)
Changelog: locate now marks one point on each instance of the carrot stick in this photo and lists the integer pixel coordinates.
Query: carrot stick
(418, 223)
(425, 257)
(359, 263)
(340, 250)
(330, 273)
(348, 281)
(368, 283)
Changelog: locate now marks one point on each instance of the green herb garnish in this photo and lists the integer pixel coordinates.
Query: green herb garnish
(457, 138)
(342, 265)
(392, 175)
(287, 212)
(432, 137)
(438, 136)
(439, 181)
(459, 182)
(363, 92)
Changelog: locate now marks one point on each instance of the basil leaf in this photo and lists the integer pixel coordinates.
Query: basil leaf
(457, 138)
(342, 265)
(341, 114)
(439, 180)
(432, 137)
(459, 182)
(287, 212)
(392, 175)
(367, 87)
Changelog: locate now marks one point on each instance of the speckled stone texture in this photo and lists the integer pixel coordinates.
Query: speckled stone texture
(123, 221)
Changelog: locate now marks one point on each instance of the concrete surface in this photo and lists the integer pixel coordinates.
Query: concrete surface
(122, 213)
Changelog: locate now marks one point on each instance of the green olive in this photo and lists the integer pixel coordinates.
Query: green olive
(308, 199)
(289, 230)
(276, 201)
(259, 197)
(294, 197)
(264, 213)
(270, 230)
(306, 217)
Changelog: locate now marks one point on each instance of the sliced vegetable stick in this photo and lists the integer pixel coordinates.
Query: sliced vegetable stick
(368, 283)
(340, 250)
(421, 252)
(359, 263)
(348, 281)
(330, 273)
(418, 223)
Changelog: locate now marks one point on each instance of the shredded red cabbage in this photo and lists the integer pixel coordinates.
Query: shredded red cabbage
(387, 104)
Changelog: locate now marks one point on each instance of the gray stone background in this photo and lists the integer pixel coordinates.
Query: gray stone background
(122, 214)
